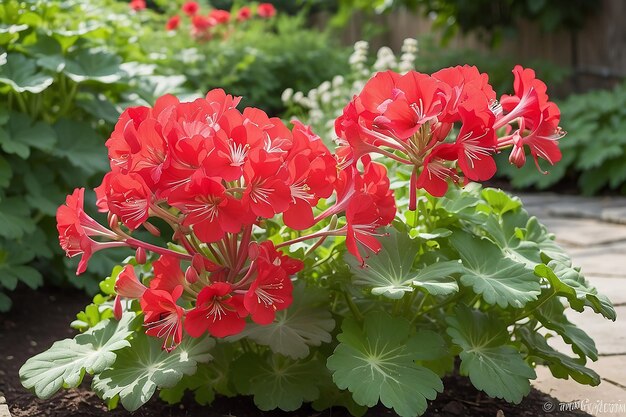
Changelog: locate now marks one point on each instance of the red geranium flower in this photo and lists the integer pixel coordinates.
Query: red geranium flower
(202, 23)
(137, 5)
(127, 284)
(167, 274)
(271, 291)
(163, 317)
(220, 16)
(217, 311)
(209, 210)
(173, 23)
(266, 10)
(129, 198)
(190, 8)
(244, 14)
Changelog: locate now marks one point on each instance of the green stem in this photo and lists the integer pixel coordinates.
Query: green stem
(436, 307)
(354, 309)
(525, 313)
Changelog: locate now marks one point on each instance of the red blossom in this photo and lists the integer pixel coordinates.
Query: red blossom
(271, 291)
(266, 10)
(128, 197)
(217, 311)
(220, 16)
(202, 23)
(167, 274)
(244, 14)
(163, 317)
(137, 5)
(127, 284)
(173, 23)
(190, 8)
(75, 228)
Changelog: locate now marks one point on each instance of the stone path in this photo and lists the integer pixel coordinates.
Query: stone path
(593, 231)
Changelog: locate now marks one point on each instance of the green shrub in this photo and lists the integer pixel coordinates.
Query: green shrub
(258, 60)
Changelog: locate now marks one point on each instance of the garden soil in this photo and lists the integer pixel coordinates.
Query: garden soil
(39, 318)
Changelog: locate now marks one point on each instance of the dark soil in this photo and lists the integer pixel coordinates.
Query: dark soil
(40, 318)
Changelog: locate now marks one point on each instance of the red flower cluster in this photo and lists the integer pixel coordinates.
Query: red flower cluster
(202, 25)
(409, 118)
(213, 173)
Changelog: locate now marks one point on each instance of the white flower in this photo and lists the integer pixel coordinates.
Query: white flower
(337, 80)
(298, 96)
(286, 96)
(323, 87)
(361, 45)
(326, 97)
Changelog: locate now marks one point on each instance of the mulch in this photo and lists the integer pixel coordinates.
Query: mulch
(39, 318)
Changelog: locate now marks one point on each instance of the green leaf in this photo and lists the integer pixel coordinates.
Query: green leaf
(93, 65)
(65, 363)
(377, 362)
(561, 366)
(6, 173)
(21, 74)
(5, 303)
(12, 147)
(14, 218)
(456, 201)
(81, 146)
(498, 279)
(211, 378)
(37, 135)
(331, 396)
(143, 367)
(499, 201)
(307, 322)
(493, 366)
(26, 274)
(388, 272)
(570, 283)
(552, 316)
(436, 278)
(277, 381)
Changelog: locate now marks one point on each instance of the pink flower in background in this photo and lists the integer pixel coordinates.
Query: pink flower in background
(266, 10)
(137, 5)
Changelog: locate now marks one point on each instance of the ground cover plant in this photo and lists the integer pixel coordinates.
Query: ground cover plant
(293, 274)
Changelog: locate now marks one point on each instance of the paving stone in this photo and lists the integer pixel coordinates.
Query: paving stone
(584, 232)
(592, 398)
(600, 262)
(611, 368)
(4, 410)
(538, 199)
(610, 336)
(584, 210)
(614, 288)
(615, 215)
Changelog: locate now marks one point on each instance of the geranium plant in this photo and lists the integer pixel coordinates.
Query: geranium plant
(297, 275)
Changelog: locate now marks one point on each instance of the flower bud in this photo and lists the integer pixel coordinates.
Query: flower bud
(117, 308)
(191, 275)
(152, 229)
(140, 255)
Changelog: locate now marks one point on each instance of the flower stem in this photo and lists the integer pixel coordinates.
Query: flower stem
(135, 243)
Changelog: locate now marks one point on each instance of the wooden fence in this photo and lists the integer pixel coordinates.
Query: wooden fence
(596, 54)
